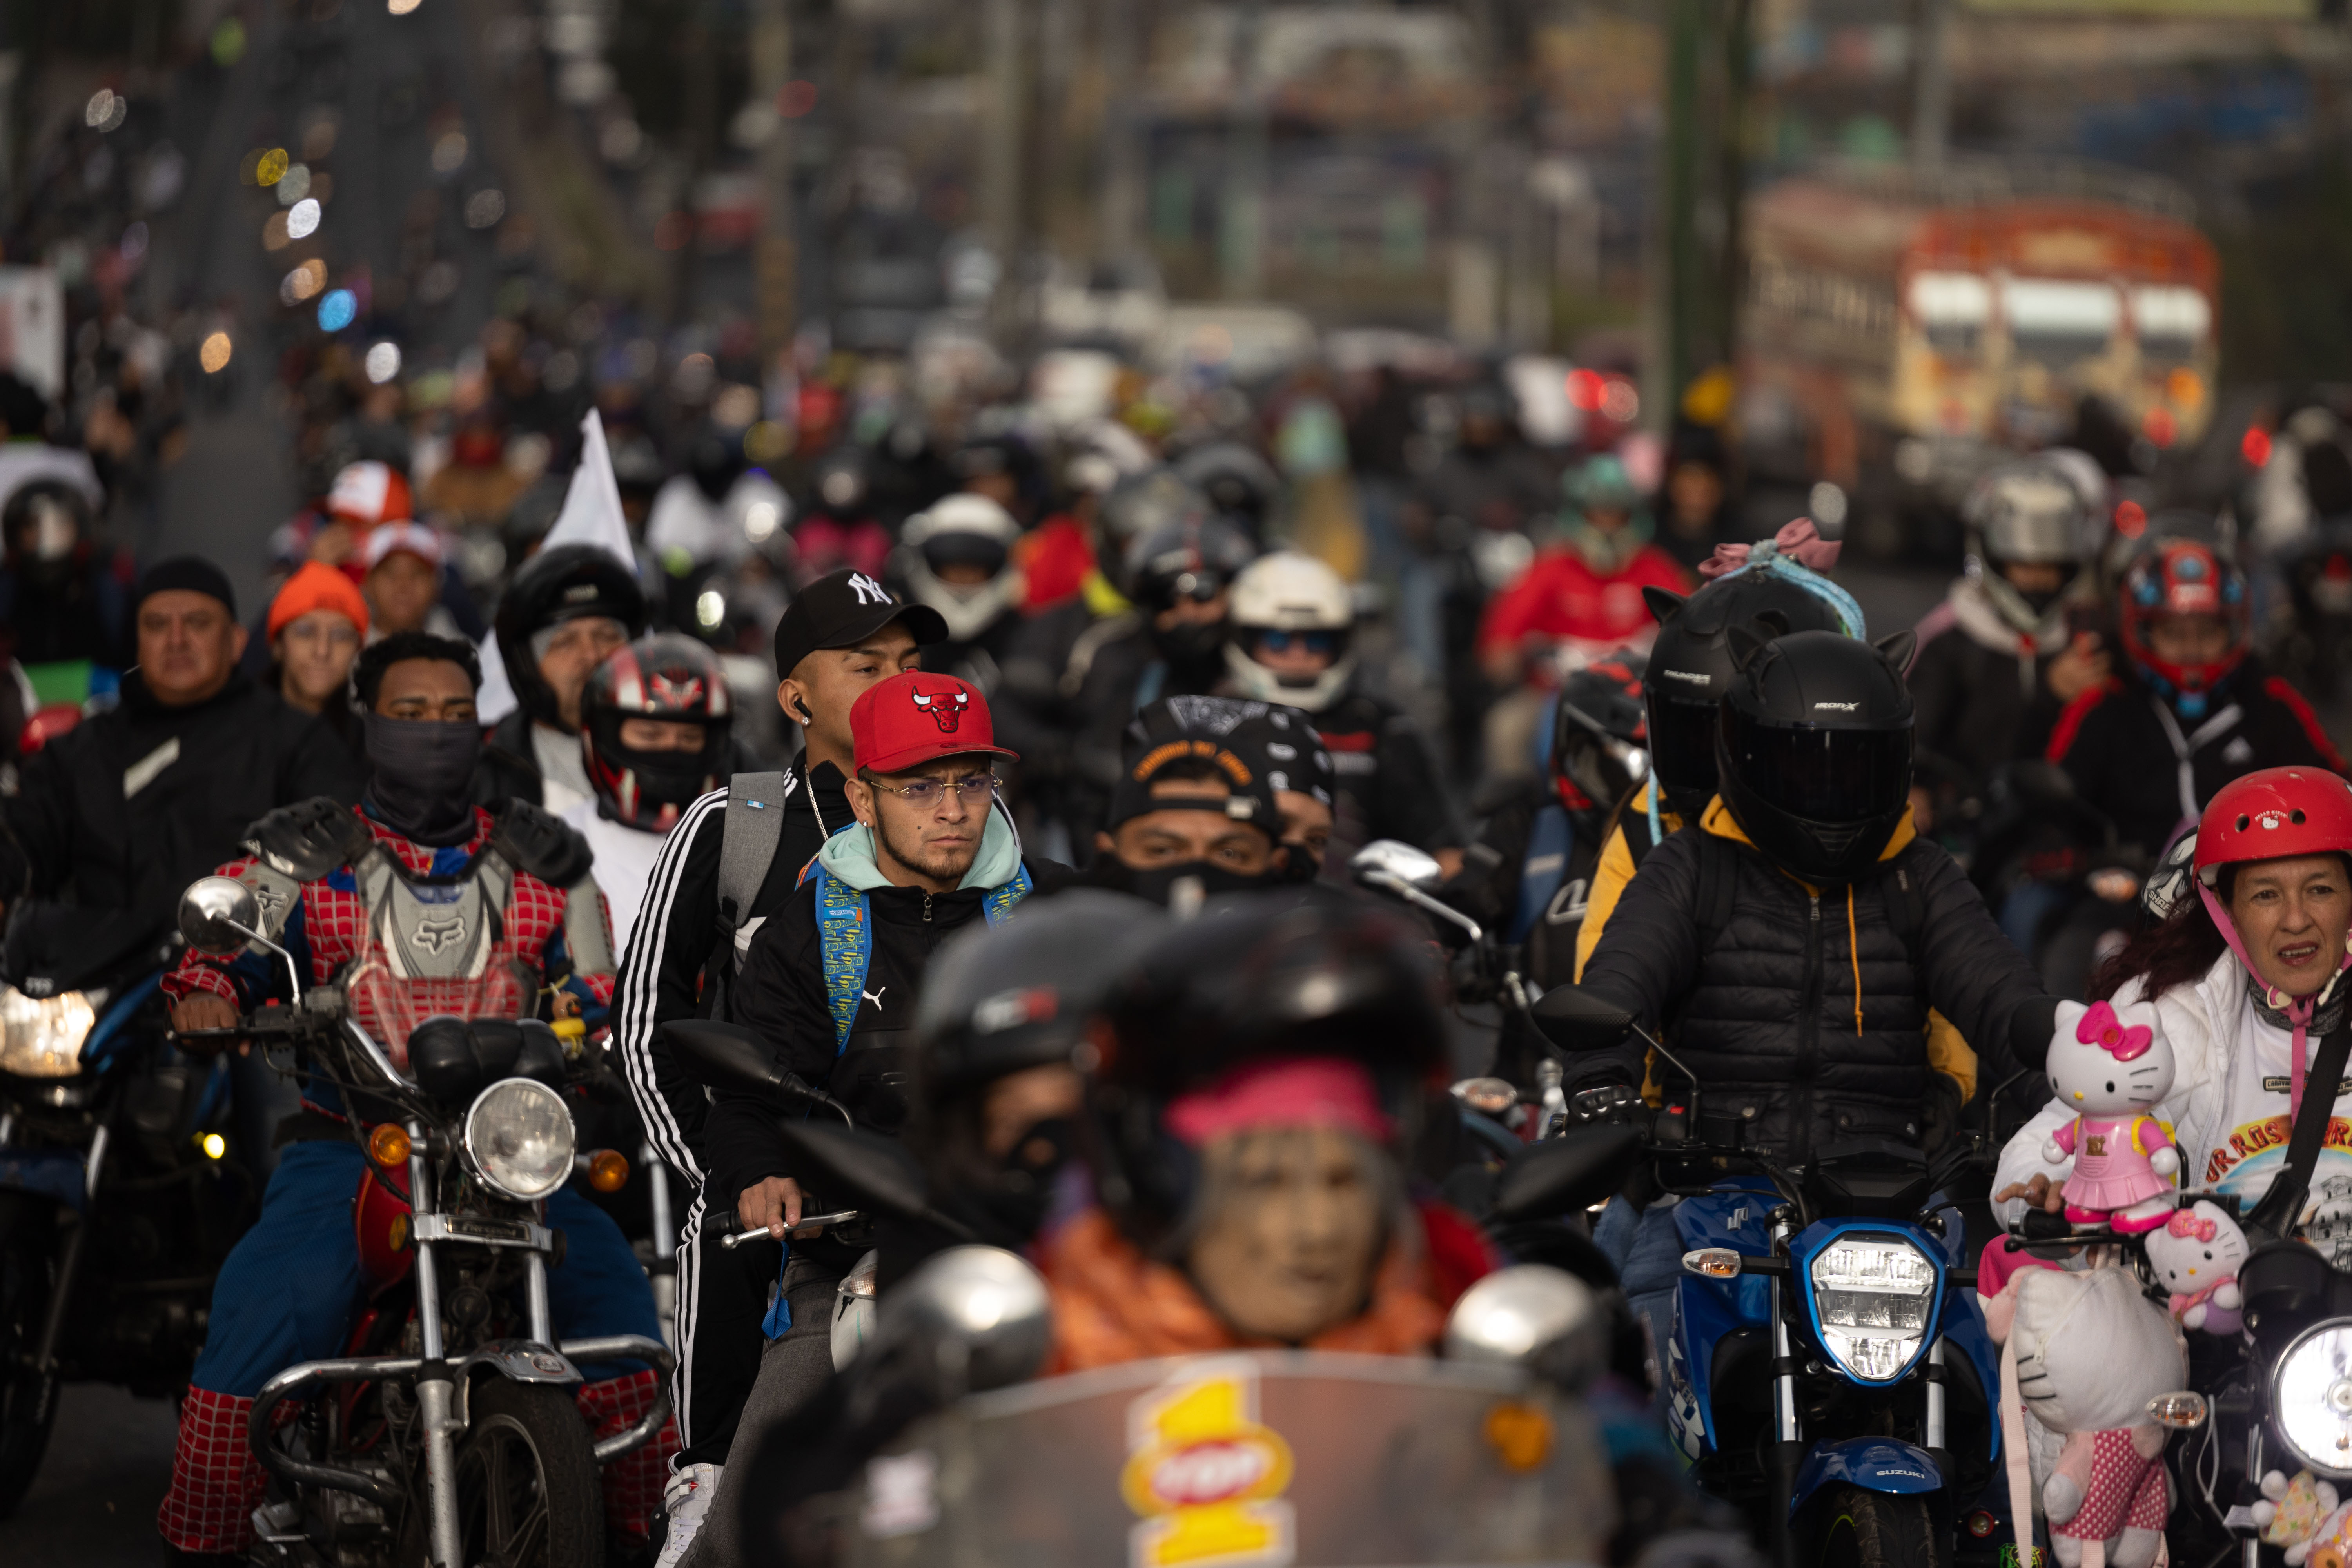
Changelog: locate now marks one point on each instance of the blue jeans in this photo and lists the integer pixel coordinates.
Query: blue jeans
(1646, 1250)
(290, 1288)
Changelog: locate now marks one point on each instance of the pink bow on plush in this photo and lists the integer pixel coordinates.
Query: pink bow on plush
(2101, 1027)
(1800, 540)
(2185, 1222)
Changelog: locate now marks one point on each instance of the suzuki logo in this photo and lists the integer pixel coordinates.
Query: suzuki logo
(948, 716)
(435, 936)
(868, 591)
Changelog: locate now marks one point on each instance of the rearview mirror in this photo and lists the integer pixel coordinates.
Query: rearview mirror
(218, 915)
(1386, 862)
(988, 1303)
(1560, 1175)
(1575, 1020)
(1534, 1316)
(722, 1056)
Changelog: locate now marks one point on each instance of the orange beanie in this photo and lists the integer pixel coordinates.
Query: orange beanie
(316, 587)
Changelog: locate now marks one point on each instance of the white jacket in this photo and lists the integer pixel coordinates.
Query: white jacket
(2209, 1022)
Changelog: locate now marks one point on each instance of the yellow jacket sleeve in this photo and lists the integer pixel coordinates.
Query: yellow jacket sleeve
(1608, 879)
(1951, 1056)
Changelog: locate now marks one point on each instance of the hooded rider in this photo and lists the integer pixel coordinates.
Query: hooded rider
(566, 612)
(831, 985)
(328, 881)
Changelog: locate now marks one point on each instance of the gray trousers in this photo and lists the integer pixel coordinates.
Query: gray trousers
(791, 1370)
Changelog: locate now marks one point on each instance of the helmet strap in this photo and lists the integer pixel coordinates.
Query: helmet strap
(2298, 1011)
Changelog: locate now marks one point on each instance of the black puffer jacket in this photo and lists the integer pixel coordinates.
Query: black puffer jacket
(1766, 1012)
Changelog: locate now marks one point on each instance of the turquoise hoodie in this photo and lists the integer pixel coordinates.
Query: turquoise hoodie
(849, 855)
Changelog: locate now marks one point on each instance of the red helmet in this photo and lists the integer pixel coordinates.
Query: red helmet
(2182, 577)
(671, 680)
(2274, 814)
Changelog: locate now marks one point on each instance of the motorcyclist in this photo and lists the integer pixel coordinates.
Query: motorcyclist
(1003, 1032)
(1794, 944)
(2192, 710)
(831, 985)
(1241, 486)
(654, 724)
(1292, 641)
(1180, 581)
(699, 516)
(957, 557)
(1998, 661)
(1276, 747)
(838, 529)
(132, 805)
(63, 596)
(1529, 875)
(1586, 590)
(1688, 671)
(1189, 816)
(329, 880)
(729, 864)
(2245, 976)
(1042, 705)
(401, 565)
(1285, 1050)
(566, 612)
(316, 624)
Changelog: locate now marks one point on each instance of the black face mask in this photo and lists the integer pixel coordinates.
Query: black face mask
(423, 768)
(1189, 647)
(1157, 884)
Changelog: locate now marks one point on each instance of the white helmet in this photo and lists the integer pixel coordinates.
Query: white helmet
(1289, 592)
(2026, 511)
(967, 529)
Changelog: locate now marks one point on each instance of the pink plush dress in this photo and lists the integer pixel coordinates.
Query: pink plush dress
(2111, 1168)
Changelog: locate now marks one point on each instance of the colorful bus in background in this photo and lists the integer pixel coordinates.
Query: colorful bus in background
(1899, 332)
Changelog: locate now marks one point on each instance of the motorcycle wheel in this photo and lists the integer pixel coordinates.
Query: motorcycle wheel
(27, 1399)
(1872, 1530)
(528, 1495)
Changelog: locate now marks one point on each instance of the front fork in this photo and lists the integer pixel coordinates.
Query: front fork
(435, 1389)
(53, 1327)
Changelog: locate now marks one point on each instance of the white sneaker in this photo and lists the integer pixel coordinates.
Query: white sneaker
(685, 1501)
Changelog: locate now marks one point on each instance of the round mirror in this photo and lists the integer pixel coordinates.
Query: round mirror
(1535, 1316)
(984, 1298)
(1386, 861)
(218, 915)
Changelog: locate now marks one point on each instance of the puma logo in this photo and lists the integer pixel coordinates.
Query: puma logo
(874, 996)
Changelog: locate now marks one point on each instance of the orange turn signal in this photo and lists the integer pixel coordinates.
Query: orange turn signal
(608, 1170)
(388, 1145)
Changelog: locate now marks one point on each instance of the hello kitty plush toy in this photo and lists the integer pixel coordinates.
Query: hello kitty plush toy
(2111, 1075)
(2197, 1253)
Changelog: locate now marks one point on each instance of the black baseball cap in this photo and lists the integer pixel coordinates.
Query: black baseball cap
(841, 609)
(1161, 737)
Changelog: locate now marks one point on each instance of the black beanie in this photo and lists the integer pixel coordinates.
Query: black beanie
(193, 573)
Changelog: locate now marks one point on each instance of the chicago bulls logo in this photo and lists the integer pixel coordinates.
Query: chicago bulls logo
(946, 707)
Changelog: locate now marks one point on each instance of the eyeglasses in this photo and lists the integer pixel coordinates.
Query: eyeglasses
(973, 790)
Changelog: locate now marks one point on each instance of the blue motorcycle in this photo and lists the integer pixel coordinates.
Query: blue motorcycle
(121, 1190)
(1827, 1369)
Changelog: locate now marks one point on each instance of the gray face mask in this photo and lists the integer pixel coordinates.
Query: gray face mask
(422, 771)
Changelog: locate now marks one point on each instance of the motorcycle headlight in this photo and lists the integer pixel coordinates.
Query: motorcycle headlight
(2311, 1397)
(519, 1135)
(1873, 1299)
(42, 1038)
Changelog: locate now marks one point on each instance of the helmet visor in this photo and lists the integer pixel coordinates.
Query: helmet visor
(1682, 743)
(1821, 775)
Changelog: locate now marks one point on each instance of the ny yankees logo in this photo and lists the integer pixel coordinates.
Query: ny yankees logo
(945, 713)
(870, 592)
(874, 997)
(434, 935)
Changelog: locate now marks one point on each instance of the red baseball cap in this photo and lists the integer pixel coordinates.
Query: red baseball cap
(916, 718)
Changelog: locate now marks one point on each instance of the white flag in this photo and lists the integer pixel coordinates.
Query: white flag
(590, 515)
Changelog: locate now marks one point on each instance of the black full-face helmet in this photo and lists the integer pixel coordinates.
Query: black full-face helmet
(1690, 668)
(1813, 747)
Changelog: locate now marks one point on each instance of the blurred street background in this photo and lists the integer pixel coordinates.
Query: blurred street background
(821, 262)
